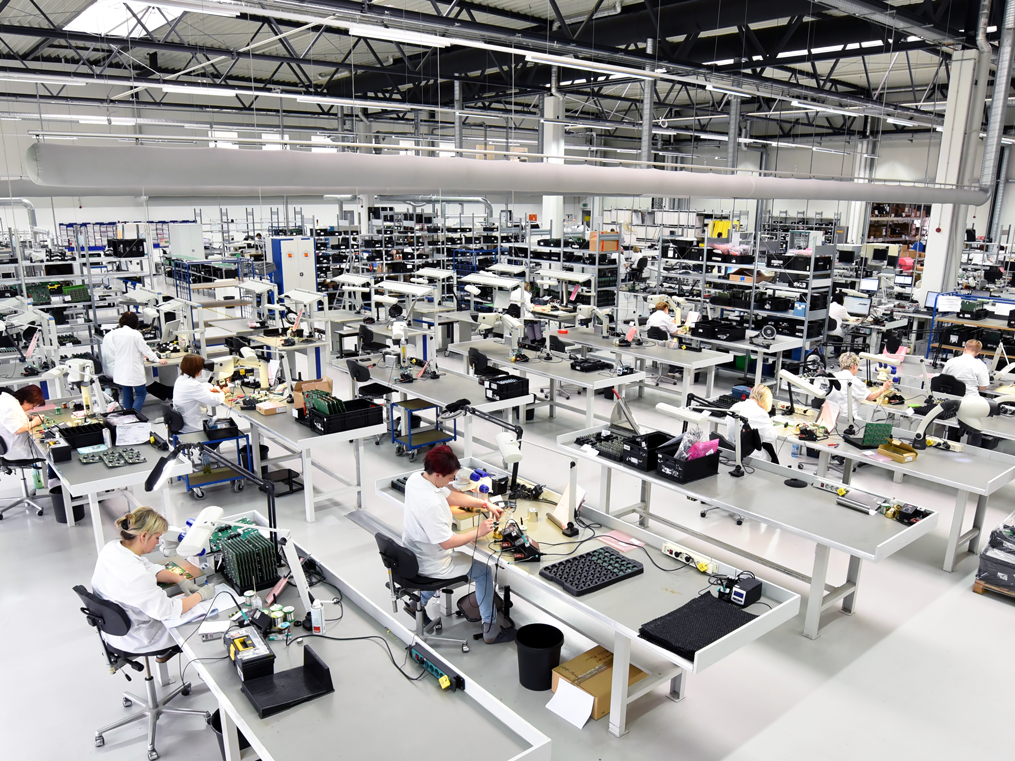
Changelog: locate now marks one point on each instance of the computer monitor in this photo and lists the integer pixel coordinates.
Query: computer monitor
(846, 257)
(857, 306)
(903, 281)
(930, 299)
(171, 329)
(879, 254)
(892, 261)
(869, 284)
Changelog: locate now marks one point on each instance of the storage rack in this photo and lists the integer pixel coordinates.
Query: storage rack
(778, 226)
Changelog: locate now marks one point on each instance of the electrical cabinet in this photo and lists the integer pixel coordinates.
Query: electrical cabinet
(295, 263)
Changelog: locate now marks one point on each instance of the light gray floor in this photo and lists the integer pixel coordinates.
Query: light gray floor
(921, 670)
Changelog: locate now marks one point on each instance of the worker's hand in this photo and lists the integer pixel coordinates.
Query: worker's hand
(163, 361)
(207, 592)
(492, 509)
(188, 586)
(486, 527)
(36, 421)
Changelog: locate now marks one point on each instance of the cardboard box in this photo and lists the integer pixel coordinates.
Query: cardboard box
(270, 408)
(321, 384)
(744, 275)
(899, 451)
(592, 672)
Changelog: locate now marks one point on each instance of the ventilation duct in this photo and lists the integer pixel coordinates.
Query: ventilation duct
(176, 171)
(26, 205)
(424, 200)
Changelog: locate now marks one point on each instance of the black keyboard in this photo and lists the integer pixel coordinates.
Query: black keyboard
(592, 571)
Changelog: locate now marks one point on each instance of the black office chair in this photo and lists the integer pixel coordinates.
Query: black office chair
(173, 420)
(8, 466)
(657, 334)
(947, 384)
(514, 310)
(480, 364)
(360, 374)
(111, 618)
(637, 272)
(367, 345)
(404, 581)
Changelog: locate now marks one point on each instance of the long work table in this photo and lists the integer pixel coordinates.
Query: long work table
(763, 496)
(556, 371)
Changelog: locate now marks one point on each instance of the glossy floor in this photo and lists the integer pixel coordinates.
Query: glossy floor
(921, 670)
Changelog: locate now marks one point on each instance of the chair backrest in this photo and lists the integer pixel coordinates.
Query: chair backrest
(360, 373)
(657, 334)
(947, 384)
(557, 345)
(643, 320)
(514, 310)
(477, 359)
(400, 561)
(174, 420)
(641, 263)
(3, 448)
(366, 335)
(106, 616)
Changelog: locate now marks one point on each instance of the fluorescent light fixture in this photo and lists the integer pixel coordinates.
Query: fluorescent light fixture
(901, 122)
(40, 79)
(724, 91)
(583, 65)
(10, 118)
(216, 92)
(825, 109)
(397, 35)
(817, 149)
(60, 137)
(382, 104)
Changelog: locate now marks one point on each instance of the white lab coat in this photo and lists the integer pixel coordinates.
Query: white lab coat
(970, 370)
(838, 313)
(757, 418)
(123, 350)
(523, 299)
(13, 417)
(426, 524)
(859, 390)
(193, 399)
(129, 580)
(661, 319)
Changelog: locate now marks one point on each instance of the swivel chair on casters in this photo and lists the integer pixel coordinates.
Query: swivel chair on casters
(362, 388)
(112, 619)
(9, 466)
(367, 345)
(404, 581)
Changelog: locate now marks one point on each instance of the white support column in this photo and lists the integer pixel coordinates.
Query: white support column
(944, 248)
(733, 146)
(553, 149)
(856, 211)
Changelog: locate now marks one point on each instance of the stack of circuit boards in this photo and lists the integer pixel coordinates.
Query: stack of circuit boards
(76, 292)
(609, 445)
(113, 458)
(248, 557)
(323, 402)
(39, 294)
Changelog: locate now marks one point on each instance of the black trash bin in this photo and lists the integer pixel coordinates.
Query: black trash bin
(538, 655)
(60, 506)
(264, 456)
(215, 722)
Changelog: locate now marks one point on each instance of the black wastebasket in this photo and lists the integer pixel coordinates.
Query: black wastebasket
(264, 456)
(215, 722)
(60, 506)
(538, 655)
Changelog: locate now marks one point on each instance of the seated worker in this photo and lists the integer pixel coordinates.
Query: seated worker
(124, 576)
(969, 369)
(849, 365)
(194, 398)
(522, 296)
(838, 312)
(427, 532)
(16, 426)
(756, 408)
(661, 319)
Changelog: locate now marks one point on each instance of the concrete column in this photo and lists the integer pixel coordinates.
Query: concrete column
(733, 147)
(459, 138)
(417, 132)
(364, 130)
(856, 211)
(553, 146)
(944, 248)
(647, 108)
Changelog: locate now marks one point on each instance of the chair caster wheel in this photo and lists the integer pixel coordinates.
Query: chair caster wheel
(186, 690)
(197, 493)
(377, 443)
(1, 516)
(740, 523)
(238, 486)
(39, 511)
(153, 755)
(438, 627)
(465, 648)
(99, 741)
(703, 513)
(127, 702)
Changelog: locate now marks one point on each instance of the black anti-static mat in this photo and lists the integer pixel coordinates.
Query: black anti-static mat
(695, 625)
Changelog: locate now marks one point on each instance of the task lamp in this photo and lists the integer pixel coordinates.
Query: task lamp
(970, 412)
(508, 441)
(587, 315)
(792, 379)
(472, 290)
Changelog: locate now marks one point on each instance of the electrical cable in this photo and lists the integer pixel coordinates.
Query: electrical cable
(391, 656)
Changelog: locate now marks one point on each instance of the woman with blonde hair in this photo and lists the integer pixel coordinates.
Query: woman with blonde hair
(756, 409)
(124, 576)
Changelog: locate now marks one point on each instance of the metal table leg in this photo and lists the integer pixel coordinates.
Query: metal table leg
(230, 736)
(646, 495)
(605, 484)
(852, 577)
(757, 367)
(308, 484)
(955, 532)
(618, 699)
(467, 426)
(678, 687)
(590, 417)
(709, 381)
(93, 508)
(978, 516)
(255, 449)
(812, 618)
(357, 453)
(685, 387)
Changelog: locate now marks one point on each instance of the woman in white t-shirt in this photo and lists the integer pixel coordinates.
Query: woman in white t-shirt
(755, 408)
(124, 576)
(849, 364)
(16, 425)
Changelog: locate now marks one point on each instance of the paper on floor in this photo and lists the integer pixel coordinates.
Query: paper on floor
(571, 703)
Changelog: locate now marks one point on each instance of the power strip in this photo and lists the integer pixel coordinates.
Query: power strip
(444, 674)
(703, 563)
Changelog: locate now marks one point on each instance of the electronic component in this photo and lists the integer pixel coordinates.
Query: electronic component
(446, 677)
(248, 558)
(591, 571)
(113, 458)
(703, 563)
(249, 651)
(609, 445)
(746, 591)
(590, 365)
(398, 484)
(323, 402)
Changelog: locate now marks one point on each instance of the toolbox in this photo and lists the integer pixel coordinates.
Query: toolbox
(217, 430)
(505, 387)
(729, 332)
(359, 413)
(78, 436)
(705, 328)
(640, 452)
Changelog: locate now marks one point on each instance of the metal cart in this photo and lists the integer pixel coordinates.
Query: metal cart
(410, 442)
(198, 481)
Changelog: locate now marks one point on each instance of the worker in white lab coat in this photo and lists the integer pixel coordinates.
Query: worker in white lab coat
(755, 408)
(522, 296)
(194, 399)
(16, 425)
(123, 353)
(124, 576)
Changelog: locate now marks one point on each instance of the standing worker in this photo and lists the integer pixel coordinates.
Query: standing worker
(123, 353)
(193, 397)
(427, 532)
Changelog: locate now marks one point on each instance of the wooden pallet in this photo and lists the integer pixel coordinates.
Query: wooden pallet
(980, 587)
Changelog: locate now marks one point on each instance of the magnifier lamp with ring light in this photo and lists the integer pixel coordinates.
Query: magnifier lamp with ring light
(970, 412)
